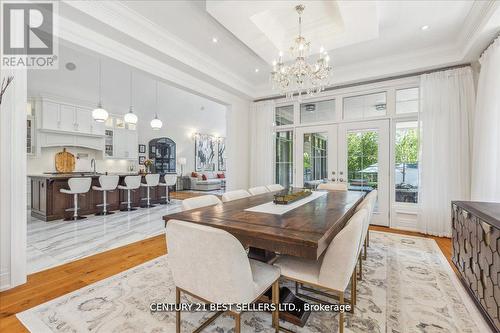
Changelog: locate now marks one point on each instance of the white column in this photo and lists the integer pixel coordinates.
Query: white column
(13, 208)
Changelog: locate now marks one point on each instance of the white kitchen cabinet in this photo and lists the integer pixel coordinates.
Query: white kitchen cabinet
(50, 115)
(67, 121)
(83, 121)
(125, 144)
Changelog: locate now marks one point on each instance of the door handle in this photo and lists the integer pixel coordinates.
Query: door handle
(341, 180)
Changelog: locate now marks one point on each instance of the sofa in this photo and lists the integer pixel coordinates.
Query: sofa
(206, 181)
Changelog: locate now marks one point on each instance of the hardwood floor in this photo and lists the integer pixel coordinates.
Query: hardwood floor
(52, 283)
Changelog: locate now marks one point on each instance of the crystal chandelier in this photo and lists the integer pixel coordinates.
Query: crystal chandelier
(301, 77)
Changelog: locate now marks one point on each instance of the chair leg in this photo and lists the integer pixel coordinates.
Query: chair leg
(368, 237)
(360, 268)
(341, 314)
(353, 290)
(276, 300)
(128, 199)
(364, 247)
(177, 312)
(104, 208)
(237, 322)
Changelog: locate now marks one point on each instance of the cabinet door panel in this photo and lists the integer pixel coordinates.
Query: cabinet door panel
(132, 145)
(83, 121)
(67, 118)
(50, 115)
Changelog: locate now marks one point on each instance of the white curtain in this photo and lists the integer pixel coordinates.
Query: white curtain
(261, 143)
(486, 144)
(447, 103)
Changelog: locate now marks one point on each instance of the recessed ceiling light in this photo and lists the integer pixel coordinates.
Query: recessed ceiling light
(256, 70)
(425, 27)
(214, 39)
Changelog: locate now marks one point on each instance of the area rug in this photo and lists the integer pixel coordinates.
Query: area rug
(408, 286)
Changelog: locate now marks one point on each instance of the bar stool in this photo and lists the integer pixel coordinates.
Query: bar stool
(76, 186)
(169, 180)
(131, 183)
(151, 181)
(108, 183)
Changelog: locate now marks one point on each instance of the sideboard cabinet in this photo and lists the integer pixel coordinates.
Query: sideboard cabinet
(476, 254)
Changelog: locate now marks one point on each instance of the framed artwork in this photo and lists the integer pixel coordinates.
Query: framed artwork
(142, 159)
(142, 149)
(204, 152)
(221, 154)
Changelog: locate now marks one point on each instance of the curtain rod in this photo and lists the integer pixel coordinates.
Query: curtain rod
(361, 83)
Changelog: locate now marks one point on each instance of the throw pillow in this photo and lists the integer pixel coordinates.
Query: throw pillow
(204, 177)
(194, 175)
(221, 175)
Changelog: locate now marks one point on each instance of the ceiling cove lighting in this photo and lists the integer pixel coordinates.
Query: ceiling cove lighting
(130, 117)
(301, 77)
(99, 114)
(156, 123)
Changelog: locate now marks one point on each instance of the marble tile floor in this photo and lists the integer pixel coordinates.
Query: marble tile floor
(57, 242)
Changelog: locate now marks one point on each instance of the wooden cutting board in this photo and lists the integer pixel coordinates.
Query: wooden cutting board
(65, 161)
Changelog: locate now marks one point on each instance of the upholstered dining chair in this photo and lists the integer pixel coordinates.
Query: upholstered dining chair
(258, 190)
(334, 270)
(201, 201)
(275, 187)
(235, 195)
(211, 265)
(332, 186)
(371, 198)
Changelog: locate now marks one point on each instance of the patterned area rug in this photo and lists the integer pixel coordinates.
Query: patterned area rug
(408, 287)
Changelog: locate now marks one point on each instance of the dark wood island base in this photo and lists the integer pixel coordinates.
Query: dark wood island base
(48, 203)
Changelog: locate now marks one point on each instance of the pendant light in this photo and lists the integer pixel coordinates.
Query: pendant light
(130, 117)
(99, 114)
(156, 123)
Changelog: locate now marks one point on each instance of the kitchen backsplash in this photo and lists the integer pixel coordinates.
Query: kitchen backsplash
(45, 162)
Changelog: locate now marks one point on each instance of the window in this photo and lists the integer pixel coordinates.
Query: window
(407, 100)
(406, 149)
(284, 115)
(371, 105)
(317, 111)
(284, 158)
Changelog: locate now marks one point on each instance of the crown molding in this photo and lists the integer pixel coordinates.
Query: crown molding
(120, 17)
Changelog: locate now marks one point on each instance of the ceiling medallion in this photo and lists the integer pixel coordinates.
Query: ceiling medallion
(301, 77)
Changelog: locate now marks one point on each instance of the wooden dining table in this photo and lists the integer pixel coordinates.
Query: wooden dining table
(305, 231)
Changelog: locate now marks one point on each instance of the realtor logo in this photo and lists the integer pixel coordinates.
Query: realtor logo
(28, 34)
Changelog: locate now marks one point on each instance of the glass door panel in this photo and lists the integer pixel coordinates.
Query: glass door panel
(316, 155)
(363, 162)
(284, 158)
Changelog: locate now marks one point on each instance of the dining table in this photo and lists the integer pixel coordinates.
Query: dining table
(305, 229)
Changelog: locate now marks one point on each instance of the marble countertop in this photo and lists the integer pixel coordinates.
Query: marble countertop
(79, 174)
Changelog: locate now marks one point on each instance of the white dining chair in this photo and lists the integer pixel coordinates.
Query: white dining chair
(332, 186)
(370, 198)
(275, 187)
(335, 269)
(201, 201)
(258, 190)
(211, 265)
(235, 195)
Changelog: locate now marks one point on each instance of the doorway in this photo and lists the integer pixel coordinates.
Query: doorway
(355, 153)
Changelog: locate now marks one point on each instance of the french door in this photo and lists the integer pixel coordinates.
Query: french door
(354, 153)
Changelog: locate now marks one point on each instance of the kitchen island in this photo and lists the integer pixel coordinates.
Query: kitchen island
(48, 203)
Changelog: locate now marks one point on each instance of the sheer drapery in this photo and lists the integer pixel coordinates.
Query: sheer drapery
(261, 143)
(486, 143)
(447, 103)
